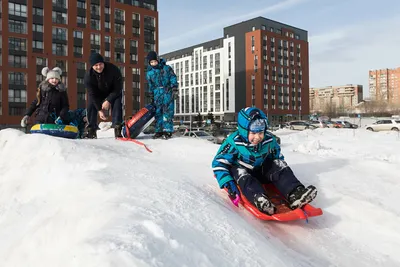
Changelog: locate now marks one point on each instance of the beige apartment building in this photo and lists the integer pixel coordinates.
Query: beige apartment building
(384, 85)
(335, 98)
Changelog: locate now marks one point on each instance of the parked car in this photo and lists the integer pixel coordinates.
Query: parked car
(318, 124)
(384, 125)
(346, 124)
(201, 135)
(278, 139)
(222, 133)
(300, 125)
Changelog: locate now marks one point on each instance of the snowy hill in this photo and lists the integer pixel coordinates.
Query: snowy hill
(110, 203)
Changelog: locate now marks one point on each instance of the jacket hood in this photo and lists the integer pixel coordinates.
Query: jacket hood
(245, 116)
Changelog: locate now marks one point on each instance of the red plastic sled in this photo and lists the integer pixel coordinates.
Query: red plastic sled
(283, 213)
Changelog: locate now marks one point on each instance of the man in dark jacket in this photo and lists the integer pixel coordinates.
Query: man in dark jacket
(104, 86)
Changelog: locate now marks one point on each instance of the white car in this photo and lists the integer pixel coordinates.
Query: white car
(384, 125)
(201, 135)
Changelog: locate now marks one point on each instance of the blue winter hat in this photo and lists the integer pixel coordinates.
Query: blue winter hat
(152, 55)
(257, 125)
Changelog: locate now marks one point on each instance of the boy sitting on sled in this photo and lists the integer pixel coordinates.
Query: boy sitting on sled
(251, 157)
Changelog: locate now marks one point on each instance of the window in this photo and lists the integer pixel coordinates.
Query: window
(60, 3)
(17, 61)
(16, 111)
(37, 28)
(80, 20)
(78, 49)
(81, 96)
(136, 71)
(119, 14)
(149, 21)
(95, 24)
(149, 47)
(41, 61)
(17, 9)
(95, 9)
(16, 78)
(148, 6)
(16, 44)
(119, 28)
(78, 34)
(120, 43)
(135, 16)
(136, 30)
(94, 39)
(59, 33)
(119, 57)
(62, 64)
(59, 17)
(59, 49)
(38, 11)
(81, 65)
(37, 44)
(80, 4)
(17, 26)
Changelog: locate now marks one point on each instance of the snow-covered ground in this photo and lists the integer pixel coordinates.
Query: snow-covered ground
(110, 203)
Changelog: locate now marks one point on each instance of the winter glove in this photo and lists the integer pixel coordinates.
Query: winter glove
(232, 188)
(24, 121)
(175, 93)
(58, 121)
(74, 123)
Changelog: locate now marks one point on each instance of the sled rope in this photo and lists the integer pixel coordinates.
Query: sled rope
(136, 142)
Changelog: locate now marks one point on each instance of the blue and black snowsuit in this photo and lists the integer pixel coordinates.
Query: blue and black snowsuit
(162, 85)
(253, 165)
(78, 118)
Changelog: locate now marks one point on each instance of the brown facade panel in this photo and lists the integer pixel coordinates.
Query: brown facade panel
(268, 74)
(73, 60)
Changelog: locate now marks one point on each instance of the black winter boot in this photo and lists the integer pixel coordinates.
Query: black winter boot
(157, 135)
(167, 135)
(301, 196)
(90, 133)
(263, 204)
(118, 130)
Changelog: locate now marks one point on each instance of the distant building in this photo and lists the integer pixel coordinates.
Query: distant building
(384, 85)
(37, 33)
(335, 98)
(258, 62)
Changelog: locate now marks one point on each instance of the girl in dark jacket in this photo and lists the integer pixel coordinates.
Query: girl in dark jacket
(51, 99)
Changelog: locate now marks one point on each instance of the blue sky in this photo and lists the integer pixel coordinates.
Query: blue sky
(347, 37)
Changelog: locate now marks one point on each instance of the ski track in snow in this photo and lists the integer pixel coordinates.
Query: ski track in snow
(110, 203)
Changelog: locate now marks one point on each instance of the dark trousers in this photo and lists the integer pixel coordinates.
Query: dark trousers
(116, 112)
(276, 172)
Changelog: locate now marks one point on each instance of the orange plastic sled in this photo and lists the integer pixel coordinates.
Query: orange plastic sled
(283, 213)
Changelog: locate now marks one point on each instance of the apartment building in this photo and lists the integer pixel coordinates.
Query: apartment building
(259, 62)
(335, 98)
(384, 85)
(123, 31)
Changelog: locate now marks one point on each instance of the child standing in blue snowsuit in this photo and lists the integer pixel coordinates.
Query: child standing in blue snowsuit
(163, 88)
(251, 157)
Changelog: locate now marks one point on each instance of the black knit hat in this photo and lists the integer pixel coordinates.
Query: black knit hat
(152, 56)
(95, 58)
